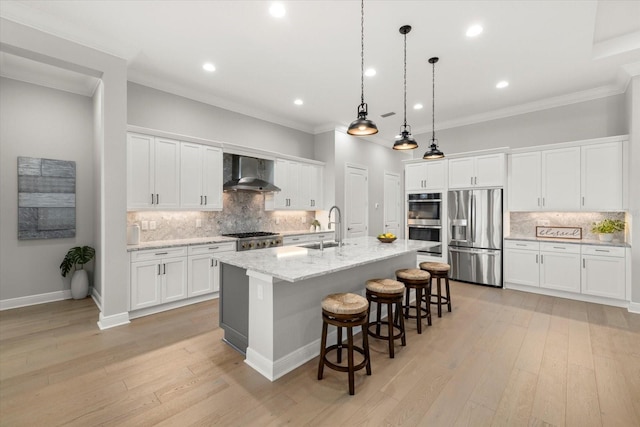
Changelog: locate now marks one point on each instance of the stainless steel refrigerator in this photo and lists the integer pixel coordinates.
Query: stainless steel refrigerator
(475, 236)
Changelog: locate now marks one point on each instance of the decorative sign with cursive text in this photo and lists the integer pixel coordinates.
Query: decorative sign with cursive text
(559, 232)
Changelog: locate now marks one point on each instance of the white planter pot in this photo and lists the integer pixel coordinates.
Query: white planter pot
(605, 237)
(80, 284)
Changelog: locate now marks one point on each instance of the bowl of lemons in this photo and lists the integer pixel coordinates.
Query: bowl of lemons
(387, 237)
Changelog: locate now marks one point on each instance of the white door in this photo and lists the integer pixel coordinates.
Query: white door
(392, 204)
(356, 201)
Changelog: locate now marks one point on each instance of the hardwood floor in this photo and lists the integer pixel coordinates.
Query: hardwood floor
(502, 357)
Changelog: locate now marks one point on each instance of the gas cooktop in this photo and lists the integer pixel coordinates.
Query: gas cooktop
(251, 234)
(256, 240)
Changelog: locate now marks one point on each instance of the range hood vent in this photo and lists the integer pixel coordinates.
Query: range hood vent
(250, 174)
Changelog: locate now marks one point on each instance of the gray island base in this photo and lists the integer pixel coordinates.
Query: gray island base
(285, 288)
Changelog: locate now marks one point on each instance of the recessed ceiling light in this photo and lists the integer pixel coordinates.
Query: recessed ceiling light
(298, 102)
(208, 66)
(418, 107)
(474, 31)
(502, 84)
(277, 10)
(370, 72)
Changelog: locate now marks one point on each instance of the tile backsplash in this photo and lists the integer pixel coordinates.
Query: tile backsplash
(524, 223)
(242, 212)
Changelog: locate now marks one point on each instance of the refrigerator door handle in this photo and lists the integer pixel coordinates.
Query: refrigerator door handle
(472, 219)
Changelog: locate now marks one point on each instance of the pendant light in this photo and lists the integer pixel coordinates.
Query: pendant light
(406, 141)
(433, 152)
(362, 126)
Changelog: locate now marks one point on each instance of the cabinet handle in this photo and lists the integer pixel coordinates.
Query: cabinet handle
(295, 240)
(520, 244)
(538, 201)
(536, 258)
(543, 201)
(157, 199)
(164, 268)
(205, 200)
(162, 253)
(602, 250)
(583, 265)
(216, 262)
(541, 259)
(475, 180)
(215, 247)
(158, 269)
(200, 199)
(559, 247)
(152, 198)
(471, 181)
(582, 200)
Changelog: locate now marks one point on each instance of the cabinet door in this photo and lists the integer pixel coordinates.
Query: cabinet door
(602, 177)
(140, 184)
(174, 277)
(201, 275)
(435, 175)
(145, 284)
(212, 178)
(294, 185)
(281, 179)
(318, 187)
(524, 182)
(461, 173)
(521, 267)
(603, 276)
(415, 176)
(560, 271)
(489, 170)
(561, 179)
(167, 173)
(191, 195)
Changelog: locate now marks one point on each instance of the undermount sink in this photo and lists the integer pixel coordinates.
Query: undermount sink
(325, 245)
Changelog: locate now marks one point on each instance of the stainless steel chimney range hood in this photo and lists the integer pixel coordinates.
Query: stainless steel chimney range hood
(250, 174)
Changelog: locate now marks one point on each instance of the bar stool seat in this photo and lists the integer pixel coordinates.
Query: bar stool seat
(344, 310)
(389, 292)
(439, 271)
(419, 280)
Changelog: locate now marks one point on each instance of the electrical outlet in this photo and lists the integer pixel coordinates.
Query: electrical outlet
(544, 222)
(152, 225)
(303, 219)
(277, 221)
(145, 225)
(198, 223)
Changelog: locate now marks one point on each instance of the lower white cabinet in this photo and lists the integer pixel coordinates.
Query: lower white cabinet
(158, 276)
(299, 239)
(603, 271)
(580, 269)
(204, 270)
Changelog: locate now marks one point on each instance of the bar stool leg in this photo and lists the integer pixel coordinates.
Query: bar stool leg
(378, 317)
(323, 350)
(418, 308)
(365, 346)
(352, 388)
(439, 297)
(390, 323)
(339, 343)
(446, 281)
(403, 339)
(406, 305)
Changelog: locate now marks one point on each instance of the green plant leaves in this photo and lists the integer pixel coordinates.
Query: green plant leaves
(76, 255)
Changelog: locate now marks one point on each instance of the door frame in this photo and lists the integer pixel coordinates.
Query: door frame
(348, 166)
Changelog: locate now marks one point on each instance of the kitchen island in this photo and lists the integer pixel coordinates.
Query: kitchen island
(285, 288)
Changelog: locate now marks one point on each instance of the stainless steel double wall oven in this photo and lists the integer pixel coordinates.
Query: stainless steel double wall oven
(424, 220)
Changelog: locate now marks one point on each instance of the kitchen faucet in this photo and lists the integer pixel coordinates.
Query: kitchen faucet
(338, 223)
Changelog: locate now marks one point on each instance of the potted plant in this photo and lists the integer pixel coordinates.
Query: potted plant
(79, 255)
(606, 228)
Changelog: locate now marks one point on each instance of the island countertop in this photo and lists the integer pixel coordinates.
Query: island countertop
(295, 263)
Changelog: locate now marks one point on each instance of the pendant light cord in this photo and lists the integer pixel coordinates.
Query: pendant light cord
(433, 103)
(362, 52)
(405, 81)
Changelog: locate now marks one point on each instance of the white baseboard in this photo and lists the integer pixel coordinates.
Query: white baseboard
(97, 298)
(569, 295)
(106, 322)
(171, 305)
(8, 304)
(634, 307)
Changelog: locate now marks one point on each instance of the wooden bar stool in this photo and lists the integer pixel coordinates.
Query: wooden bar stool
(345, 311)
(439, 270)
(389, 292)
(419, 280)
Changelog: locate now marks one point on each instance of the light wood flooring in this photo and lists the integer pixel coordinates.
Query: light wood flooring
(502, 357)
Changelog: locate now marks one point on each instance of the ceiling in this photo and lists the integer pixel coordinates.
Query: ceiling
(551, 52)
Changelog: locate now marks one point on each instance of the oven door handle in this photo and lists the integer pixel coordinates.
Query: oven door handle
(425, 226)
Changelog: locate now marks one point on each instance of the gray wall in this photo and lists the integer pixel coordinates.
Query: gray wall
(584, 120)
(42, 122)
(155, 109)
(633, 118)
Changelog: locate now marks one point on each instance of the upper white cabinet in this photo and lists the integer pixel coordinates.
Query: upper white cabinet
(153, 172)
(428, 175)
(200, 176)
(479, 171)
(286, 176)
(311, 186)
(567, 179)
(300, 186)
(602, 173)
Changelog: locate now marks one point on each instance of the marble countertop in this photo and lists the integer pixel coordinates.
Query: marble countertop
(159, 244)
(616, 243)
(295, 263)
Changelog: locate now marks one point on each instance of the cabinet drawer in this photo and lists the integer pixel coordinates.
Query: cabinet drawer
(212, 248)
(521, 244)
(153, 254)
(560, 247)
(603, 251)
(294, 240)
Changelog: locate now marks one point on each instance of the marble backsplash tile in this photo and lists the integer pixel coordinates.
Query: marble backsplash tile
(242, 212)
(524, 223)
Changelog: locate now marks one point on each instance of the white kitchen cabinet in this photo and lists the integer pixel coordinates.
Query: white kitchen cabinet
(311, 186)
(204, 270)
(153, 172)
(200, 177)
(287, 177)
(158, 276)
(601, 172)
(521, 263)
(479, 171)
(428, 175)
(560, 266)
(300, 184)
(524, 181)
(603, 271)
(561, 179)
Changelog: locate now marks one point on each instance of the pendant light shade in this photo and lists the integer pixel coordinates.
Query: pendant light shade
(406, 141)
(362, 126)
(433, 152)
